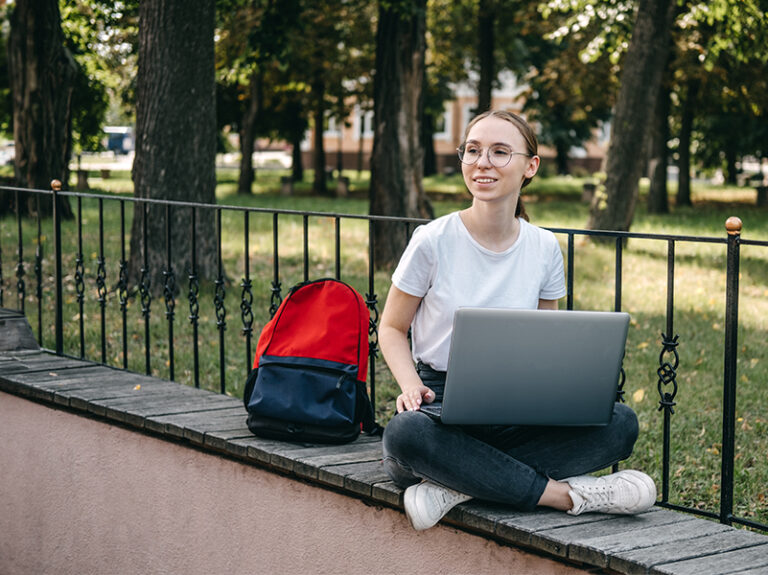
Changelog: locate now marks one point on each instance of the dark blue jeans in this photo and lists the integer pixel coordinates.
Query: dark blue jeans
(503, 464)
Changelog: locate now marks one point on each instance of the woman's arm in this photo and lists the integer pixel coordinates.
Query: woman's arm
(548, 303)
(396, 319)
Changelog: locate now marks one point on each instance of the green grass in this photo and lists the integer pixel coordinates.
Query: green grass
(699, 308)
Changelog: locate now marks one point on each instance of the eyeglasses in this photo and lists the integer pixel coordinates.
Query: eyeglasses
(498, 154)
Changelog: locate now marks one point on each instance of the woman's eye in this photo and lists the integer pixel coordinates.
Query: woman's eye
(501, 152)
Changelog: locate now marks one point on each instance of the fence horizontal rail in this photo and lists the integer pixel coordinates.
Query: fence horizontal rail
(69, 281)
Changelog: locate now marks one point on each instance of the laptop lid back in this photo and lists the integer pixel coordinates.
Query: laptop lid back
(533, 367)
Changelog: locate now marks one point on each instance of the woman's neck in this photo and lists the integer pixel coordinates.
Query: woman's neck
(492, 226)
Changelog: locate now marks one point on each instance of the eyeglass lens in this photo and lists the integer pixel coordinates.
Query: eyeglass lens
(499, 155)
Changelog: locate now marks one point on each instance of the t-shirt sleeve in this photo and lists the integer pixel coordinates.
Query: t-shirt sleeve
(415, 271)
(554, 283)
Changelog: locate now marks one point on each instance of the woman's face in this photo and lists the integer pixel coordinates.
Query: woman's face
(489, 182)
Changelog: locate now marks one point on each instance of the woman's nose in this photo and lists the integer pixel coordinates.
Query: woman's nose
(485, 159)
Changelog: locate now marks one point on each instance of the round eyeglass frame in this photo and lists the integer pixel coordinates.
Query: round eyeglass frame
(460, 152)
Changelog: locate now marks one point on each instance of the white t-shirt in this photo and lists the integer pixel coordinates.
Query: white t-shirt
(445, 266)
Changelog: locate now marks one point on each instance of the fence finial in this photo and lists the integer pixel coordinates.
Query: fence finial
(733, 226)
(56, 185)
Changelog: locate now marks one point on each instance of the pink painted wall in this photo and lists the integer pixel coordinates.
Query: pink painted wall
(78, 496)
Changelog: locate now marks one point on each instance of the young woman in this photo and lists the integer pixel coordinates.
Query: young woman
(488, 255)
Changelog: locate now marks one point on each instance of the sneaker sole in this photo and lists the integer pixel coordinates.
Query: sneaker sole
(409, 502)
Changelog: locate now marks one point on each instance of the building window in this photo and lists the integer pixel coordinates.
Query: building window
(443, 127)
(362, 119)
(332, 126)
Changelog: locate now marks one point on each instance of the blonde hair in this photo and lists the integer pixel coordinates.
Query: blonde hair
(532, 144)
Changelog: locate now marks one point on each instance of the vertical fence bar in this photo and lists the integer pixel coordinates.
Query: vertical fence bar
(571, 268)
(2, 280)
(667, 373)
(101, 284)
(144, 288)
(337, 241)
(169, 289)
(80, 277)
(373, 321)
(617, 293)
(194, 304)
(20, 285)
(218, 300)
(58, 290)
(39, 272)
(306, 247)
(275, 298)
(618, 274)
(733, 227)
(122, 285)
(246, 296)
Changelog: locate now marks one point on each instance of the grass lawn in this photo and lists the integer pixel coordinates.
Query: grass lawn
(699, 307)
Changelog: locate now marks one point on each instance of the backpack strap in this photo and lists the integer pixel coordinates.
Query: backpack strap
(365, 411)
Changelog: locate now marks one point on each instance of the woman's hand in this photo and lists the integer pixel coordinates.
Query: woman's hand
(412, 399)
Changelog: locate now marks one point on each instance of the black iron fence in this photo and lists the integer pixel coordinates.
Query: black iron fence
(62, 284)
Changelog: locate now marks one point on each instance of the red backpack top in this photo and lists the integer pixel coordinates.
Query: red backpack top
(325, 320)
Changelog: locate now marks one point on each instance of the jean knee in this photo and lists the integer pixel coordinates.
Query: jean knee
(626, 424)
(400, 444)
(402, 433)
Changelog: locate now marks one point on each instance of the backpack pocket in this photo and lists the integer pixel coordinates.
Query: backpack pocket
(316, 395)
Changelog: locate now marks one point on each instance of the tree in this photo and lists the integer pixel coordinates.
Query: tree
(175, 135)
(613, 207)
(658, 163)
(568, 96)
(42, 74)
(6, 106)
(397, 158)
(724, 61)
(254, 38)
(486, 20)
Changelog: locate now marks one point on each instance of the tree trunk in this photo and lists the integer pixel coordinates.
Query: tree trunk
(320, 183)
(248, 134)
(175, 138)
(486, 46)
(658, 194)
(613, 208)
(297, 167)
(684, 146)
(41, 73)
(428, 143)
(561, 150)
(731, 170)
(398, 157)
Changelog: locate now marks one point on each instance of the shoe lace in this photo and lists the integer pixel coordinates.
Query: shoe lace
(598, 495)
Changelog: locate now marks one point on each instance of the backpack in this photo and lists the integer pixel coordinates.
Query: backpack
(309, 373)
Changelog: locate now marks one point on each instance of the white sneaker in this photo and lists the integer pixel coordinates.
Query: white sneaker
(626, 492)
(427, 503)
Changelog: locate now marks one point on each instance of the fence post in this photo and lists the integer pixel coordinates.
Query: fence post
(733, 227)
(59, 315)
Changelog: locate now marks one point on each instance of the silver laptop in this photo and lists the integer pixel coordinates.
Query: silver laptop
(532, 367)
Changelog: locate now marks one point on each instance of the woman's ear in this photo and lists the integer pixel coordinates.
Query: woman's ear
(533, 166)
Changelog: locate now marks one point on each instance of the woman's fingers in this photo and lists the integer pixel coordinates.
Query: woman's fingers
(412, 400)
